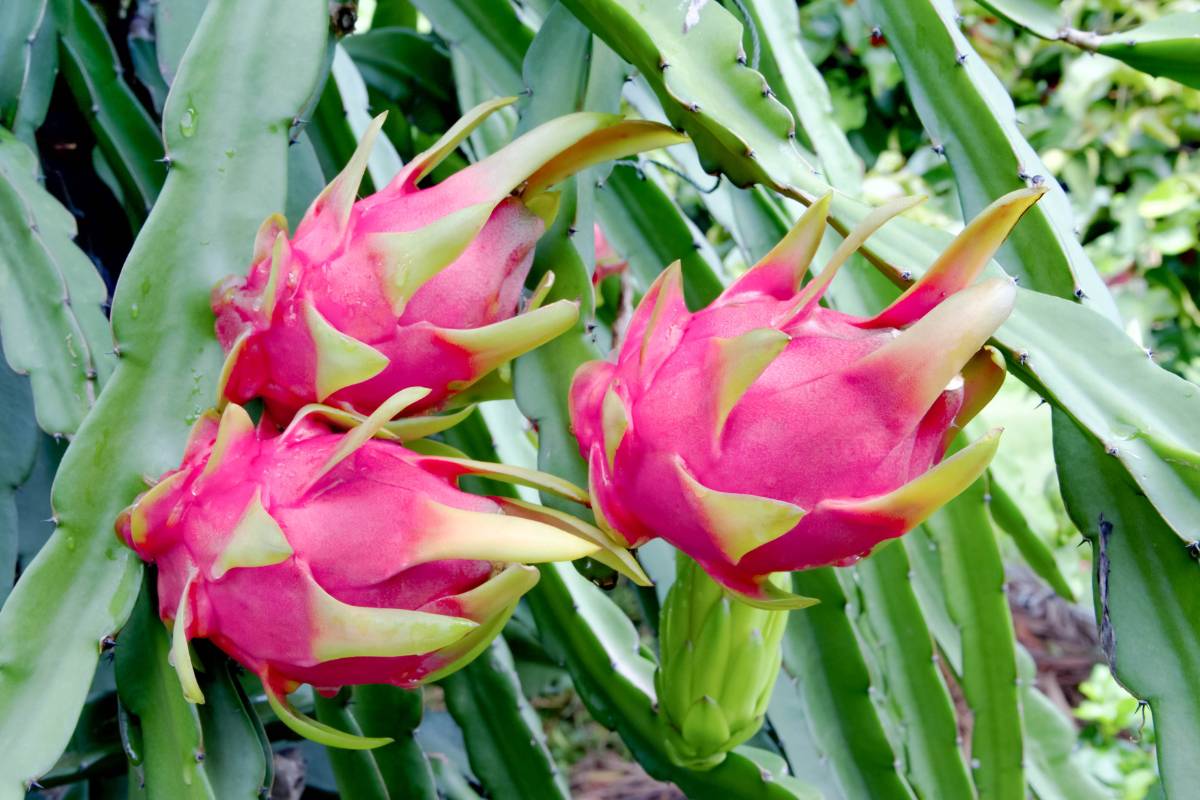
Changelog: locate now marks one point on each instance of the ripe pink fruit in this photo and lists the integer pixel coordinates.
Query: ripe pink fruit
(410, 286)
(330, 558)
(608, 261)
(767, 433)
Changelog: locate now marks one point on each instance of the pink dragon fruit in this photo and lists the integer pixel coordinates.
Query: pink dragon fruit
(767, 433)
(410, 286)
(330, 558)
(608, 262)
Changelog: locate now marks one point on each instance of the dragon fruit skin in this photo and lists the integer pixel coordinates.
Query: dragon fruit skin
(608, 261)
(409, 286)
(766, 433)
(330, 558)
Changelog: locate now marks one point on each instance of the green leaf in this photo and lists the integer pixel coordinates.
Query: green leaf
(1168, 47)
(124, 131)
(1147, 587)
(398, 13)
(51, 320)
(973, 583)
(143, 52)
(504, 735)
(384, 162)
(28, 66)
(489, 32)
(821, 655)
(331, 136)
(226, 128)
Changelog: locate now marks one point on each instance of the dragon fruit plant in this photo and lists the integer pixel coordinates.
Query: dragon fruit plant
(330, 558)
(410, 286)
(808, 436)
(333, 527)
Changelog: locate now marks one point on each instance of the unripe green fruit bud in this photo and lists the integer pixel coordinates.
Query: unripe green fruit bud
(718, 662)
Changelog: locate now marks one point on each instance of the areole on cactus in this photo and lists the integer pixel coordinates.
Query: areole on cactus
(768, 433)
(336, 558)
(410, 286)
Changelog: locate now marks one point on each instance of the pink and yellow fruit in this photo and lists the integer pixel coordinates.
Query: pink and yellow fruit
(410, 286)
(336, 558)
(768, 433)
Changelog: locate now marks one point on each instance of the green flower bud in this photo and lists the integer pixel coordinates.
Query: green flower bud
(718, 662)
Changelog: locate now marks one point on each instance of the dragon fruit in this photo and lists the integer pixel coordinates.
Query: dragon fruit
(409, 286)
(608, 261)
(335, 558)
(767, 433)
